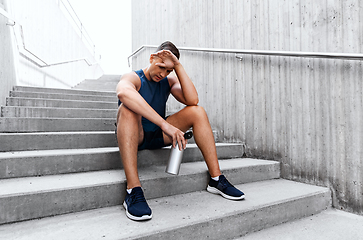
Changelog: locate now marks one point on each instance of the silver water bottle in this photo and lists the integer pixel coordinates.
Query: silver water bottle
(176, 156)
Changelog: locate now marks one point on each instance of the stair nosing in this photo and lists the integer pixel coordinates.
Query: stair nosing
(51, 152)
(80, 91)
(60, 100)
(63, 94)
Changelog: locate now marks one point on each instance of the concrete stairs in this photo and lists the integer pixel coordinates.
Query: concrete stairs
(105, 82)
(61, 178)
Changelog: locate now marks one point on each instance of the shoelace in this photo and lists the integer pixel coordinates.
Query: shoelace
(224, 182)
(138, 197)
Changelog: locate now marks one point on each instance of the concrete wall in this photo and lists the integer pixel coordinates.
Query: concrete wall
(49, 36)
(7, 67)
(306, 113)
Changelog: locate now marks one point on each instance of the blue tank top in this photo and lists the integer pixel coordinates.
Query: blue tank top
(156, 94)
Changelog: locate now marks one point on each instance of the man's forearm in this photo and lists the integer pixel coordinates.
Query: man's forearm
(188, 88)
(136, 103)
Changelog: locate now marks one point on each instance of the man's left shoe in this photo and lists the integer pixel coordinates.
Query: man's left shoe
(224, 188)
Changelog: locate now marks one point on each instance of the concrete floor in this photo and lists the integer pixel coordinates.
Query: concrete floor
(328, 225)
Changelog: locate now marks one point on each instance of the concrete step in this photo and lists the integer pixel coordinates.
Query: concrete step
(93, 86)
(52, 162)
(63, 96)
(62, 161)
(37, 112)
(56, 140)
(196, 215)
(327, 225)
(63, 91)
(18, 125)
(104, 83)
(52, 103)
(36, 197)
(110, 77)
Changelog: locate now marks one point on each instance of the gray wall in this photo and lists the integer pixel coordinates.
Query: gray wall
(305, 113)
(7, 68)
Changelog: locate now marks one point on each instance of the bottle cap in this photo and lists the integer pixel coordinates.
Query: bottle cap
(188, 135)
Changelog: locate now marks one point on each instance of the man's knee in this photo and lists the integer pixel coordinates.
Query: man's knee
(129, 122)
(197, 111)
(125, 114)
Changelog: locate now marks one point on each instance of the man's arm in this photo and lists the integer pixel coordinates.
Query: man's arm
(182, 87)
(127, 92)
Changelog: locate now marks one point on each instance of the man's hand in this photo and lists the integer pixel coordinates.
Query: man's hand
(175, 135)
(169, 60)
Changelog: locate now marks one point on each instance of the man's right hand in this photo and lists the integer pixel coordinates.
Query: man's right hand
(169, 60)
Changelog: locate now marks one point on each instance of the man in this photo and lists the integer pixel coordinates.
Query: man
(141, 124)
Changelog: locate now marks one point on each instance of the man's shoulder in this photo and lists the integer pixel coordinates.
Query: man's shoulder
(129, 75)
(133, 78)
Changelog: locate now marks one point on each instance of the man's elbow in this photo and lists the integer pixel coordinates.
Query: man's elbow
(193, 102)
(121, 93)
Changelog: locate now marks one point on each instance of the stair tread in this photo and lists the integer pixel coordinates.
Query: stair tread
(57, 90)
(58, 133)
(14, 164)
(57, 112)
(56, 108)
(169, 214)
(28, 185)
(31, 124)
(330, 224)
(55, 152)
(42, 140)
(60, 96)
(55, 118)
(60, 100)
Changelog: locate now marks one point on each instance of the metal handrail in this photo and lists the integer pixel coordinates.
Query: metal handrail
(347, 56)
(7, 15)
(13, 24)
(44, 63)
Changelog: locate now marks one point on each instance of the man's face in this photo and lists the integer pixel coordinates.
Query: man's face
(157, 73)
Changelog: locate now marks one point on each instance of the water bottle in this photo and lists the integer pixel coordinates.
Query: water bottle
(176, 156)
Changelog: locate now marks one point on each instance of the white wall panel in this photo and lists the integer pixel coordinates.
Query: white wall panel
(49, 36)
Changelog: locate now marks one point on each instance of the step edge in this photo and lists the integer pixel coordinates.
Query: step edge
(114, 180)
(59, 100)
(61, 89)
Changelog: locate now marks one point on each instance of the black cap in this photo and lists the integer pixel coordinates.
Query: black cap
(188, 135)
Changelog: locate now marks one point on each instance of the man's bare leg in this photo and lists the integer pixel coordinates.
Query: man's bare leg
(196, 117)
(129, 135)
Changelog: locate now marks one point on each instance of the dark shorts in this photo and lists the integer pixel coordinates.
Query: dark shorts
(152, 139)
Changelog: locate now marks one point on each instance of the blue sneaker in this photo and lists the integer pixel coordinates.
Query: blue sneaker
(224, 188)
(136, 206)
